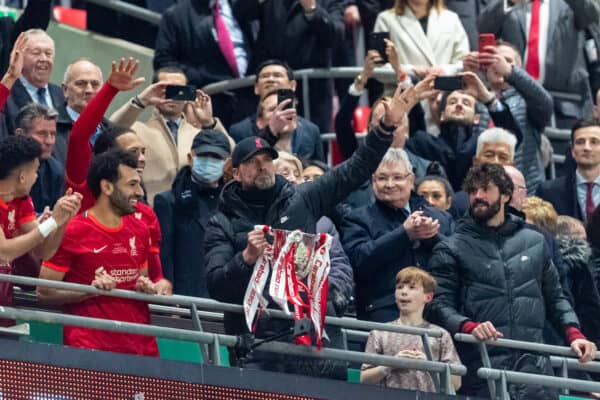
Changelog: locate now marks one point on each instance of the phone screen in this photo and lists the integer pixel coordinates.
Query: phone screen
(377, 42)
(284, 94)
(180, 92)
(448, 83)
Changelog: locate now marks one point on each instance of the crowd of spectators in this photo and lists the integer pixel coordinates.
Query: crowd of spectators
(433, 215)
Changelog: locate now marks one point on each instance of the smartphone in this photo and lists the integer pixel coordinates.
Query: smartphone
(448, 83)
(180, 92)
(486, 39)
(284, 94)
(377, 42)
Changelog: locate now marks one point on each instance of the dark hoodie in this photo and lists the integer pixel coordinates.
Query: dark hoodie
(183, 213)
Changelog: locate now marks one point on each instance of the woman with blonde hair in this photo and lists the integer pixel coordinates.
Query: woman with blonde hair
(427, 36)
(540, 213)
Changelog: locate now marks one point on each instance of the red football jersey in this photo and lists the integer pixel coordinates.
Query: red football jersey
(12, 215)
(143, 212)
(123, 252)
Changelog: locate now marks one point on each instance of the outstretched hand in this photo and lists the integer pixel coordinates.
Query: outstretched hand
(15, 66)
(122, 75)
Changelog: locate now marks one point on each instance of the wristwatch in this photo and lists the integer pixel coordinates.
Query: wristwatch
(387, 128)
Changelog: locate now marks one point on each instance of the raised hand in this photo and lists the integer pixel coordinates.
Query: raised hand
(15, 66)
(67, 207)
(476, 88)
(202, 108)
(392, 55)
(281, 119)
(123, 74)
(495, 61)
(471, 62)
(154, 94)
(585, 350)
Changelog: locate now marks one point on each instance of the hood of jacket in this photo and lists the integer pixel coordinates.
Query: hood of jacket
(468, 226)
(574, 251)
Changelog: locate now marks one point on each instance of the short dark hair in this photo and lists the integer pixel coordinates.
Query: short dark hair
(273, 61)
(107, 140)
(106, 166)
(16, 151)
(480, 176)
(583, 123)
(31, 111)
(169, 69)
(501, 42)
(436, 178)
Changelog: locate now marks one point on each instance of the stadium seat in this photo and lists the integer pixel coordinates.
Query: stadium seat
(70, 16)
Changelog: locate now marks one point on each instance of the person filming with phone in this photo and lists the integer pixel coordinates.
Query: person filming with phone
(180, 112)
(516, 102)
(278, 122)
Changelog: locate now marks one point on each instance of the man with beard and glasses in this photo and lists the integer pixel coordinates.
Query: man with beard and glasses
(258, 196)
(105, 248)
(496, 279)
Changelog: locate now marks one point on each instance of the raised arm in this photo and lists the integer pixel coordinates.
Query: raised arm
(15, 67)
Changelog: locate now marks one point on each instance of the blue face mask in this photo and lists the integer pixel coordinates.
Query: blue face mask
(207, 169)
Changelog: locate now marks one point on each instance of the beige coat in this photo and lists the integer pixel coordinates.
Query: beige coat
(445, 44)
(163, 156)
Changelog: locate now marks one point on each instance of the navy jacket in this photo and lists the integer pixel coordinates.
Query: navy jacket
(49, 186)
(306, 139)
(379, 247)
(562, 193)
(183, 213)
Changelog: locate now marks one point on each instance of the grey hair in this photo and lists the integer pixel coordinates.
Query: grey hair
(38, 32)
(67, 76)
(31, 111)
(395, 155)
(497, 135)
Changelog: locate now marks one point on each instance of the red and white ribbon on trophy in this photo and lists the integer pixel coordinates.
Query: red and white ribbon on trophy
(297, 263)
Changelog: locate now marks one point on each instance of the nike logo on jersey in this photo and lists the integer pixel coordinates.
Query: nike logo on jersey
(100, 249)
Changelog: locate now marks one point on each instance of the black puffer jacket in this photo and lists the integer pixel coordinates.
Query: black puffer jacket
(503, 275)
(291, 208)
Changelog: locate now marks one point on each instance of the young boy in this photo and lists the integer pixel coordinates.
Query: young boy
(414, 289)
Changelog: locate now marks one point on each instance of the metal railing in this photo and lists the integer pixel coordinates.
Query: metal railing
(129, 9)
(210, 342)
(565, 362)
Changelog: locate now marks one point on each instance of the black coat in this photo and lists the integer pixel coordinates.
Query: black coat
(503, 275)
(49, 186)
(562, 193)
(183, 213)
(379, 247)
(286, 34)
(19, 98)
(187, 39)
(306, 143)
(454, 149)
(290, 208)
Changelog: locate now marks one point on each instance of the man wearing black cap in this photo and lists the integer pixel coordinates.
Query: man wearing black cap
(183, 213)
(257, 196)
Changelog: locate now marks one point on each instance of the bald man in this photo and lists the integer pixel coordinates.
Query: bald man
(520, 189)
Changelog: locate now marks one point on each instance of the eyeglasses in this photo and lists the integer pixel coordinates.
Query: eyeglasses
(382, 179)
